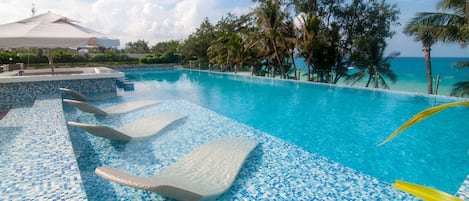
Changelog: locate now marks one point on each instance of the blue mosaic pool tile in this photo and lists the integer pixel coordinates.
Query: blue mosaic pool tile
(24, 93)
(37, 161)
(463, 192)
(275, 170)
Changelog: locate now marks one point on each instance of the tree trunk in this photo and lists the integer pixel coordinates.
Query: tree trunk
(428, 63)
(308, 64)
(278, 59)
(292, 56)
(369, 80)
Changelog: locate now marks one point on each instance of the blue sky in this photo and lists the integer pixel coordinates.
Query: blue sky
(406, 45)
(160, 20)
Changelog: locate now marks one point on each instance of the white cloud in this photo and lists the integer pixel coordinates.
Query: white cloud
(162, 20)
(128, 20)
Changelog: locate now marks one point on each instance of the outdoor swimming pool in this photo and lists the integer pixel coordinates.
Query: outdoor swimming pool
(310, 149)
(340, 123)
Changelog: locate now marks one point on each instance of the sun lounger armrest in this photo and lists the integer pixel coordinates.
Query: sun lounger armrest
(124, 178)
(102, 131)
(85, 107)
(74, 94)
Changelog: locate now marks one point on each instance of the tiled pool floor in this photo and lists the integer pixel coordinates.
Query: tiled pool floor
(37, 161)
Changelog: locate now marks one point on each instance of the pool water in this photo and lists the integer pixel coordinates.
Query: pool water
(340, 123)
(275, 170)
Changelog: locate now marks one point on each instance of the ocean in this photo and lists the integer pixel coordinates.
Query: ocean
(412, 75)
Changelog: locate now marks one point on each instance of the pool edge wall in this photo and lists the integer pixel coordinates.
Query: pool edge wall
(22, 90)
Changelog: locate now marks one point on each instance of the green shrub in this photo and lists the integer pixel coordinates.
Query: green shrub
(32, 59)
(21, 58)
(98, 58)
(5, 57)
(67, 57)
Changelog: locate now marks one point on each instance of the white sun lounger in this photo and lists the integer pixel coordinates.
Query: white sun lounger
(141, 128)
(75, 94)
(203, 174)
(115, 109)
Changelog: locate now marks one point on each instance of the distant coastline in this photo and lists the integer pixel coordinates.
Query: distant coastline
(411, 74)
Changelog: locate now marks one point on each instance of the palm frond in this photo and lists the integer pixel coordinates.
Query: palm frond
(423, 115)
(462, 64)
(437, 19)
(423, 192)
(354, 78)
(458, 6)
(460, 89)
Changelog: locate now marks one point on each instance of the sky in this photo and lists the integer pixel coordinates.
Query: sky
(162, 20)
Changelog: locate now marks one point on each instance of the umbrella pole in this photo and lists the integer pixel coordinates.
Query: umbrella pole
(49, 58)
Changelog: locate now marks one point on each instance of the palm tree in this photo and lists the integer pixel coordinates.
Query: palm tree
(461, 88)
(427, 36)
(309, 29)
(270, 19)
(452, 26)
(370, 61)
(233, 44)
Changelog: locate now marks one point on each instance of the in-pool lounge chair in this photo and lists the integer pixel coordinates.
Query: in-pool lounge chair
(203, 174)
(141, 128)
(75, 94)
(115, 109)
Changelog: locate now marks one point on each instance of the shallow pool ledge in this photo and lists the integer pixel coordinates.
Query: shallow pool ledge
(37, 160)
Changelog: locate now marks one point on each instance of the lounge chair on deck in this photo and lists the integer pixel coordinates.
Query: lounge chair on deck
(115, 109)
(141, 128)
(76, 94)
(203, 174)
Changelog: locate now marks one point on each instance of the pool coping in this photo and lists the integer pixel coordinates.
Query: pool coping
(69, 74)
(336, 85)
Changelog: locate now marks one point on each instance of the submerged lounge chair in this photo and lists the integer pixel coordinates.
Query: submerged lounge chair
(116, 109)
(141, 128)
(75, 94)
(203, 174)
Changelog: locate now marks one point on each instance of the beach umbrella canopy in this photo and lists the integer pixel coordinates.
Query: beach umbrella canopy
(50, 30)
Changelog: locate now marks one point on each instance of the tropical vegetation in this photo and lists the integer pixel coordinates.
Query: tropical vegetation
(451, 25)
(61, 55)
(329, 36)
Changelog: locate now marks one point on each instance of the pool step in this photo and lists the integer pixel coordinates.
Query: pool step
(125, 84)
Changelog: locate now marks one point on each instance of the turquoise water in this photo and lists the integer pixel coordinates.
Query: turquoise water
(343, 124)
(411, 72)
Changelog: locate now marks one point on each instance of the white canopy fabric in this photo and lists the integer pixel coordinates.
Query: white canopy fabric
(50, 30)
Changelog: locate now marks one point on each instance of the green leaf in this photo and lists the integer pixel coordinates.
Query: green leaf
(421, 116)
(425, 193)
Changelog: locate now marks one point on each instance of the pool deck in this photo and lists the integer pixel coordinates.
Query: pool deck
(77, 73)
(38, 161)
